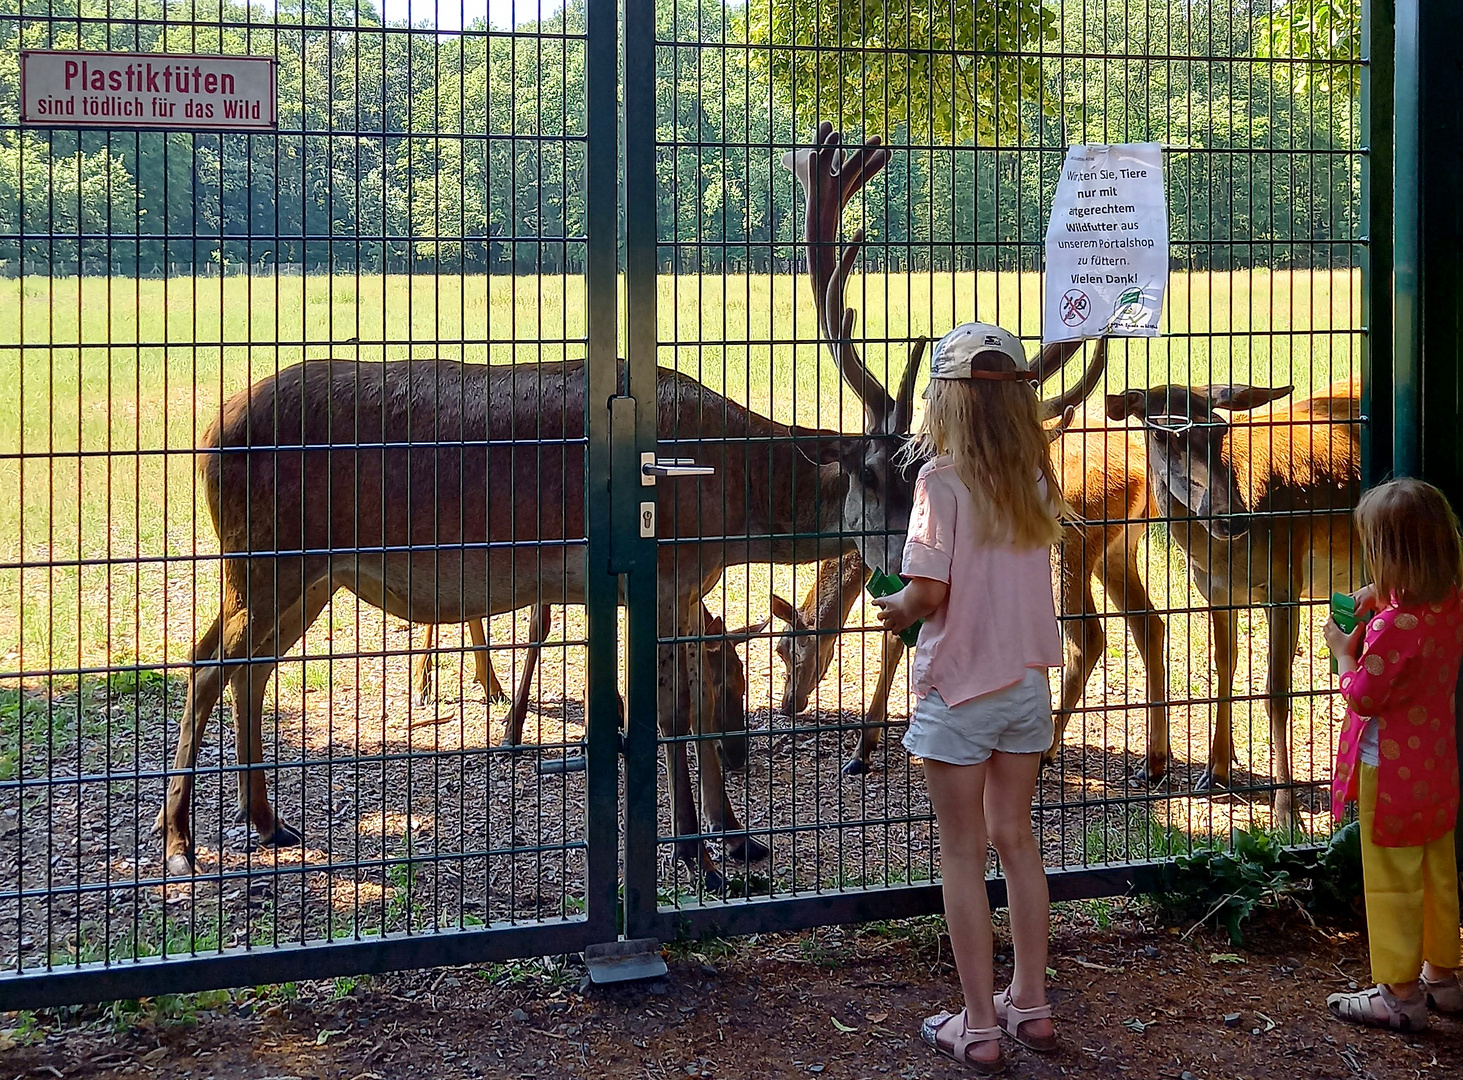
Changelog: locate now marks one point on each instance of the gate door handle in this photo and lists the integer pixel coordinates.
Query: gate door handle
(652, 466)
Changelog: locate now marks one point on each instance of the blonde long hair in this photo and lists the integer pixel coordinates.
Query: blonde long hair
(992, 431)
(1409, 537)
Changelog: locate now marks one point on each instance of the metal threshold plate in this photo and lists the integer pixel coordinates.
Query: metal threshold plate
(624, 961)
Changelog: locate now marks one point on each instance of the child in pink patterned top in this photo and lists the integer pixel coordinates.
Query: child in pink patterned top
(978, 560)
(1397, 755)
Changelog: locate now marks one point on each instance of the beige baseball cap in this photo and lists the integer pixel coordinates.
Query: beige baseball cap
(954, 354)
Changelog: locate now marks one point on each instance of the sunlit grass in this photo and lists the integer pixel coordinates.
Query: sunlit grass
(114, 380)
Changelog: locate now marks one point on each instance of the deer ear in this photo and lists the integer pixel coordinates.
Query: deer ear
(1240, 397)
(1128, 403)
(714, 627)
(787, 613)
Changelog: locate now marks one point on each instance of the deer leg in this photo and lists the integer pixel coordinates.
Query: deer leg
(249, 684)
(1284, 637)
(424, 664)
(1226, 658)
(482, 663)
(205, 685)
(1082, 628)
(226, 641)
(1130, 596)
(877, 716)
(673, 707)
(721, 816)
(540, 620)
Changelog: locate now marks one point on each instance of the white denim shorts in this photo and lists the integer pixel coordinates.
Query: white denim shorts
(1015, 719)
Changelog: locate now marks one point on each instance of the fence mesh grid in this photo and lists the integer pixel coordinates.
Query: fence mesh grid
(423, 199)
(1260, 135)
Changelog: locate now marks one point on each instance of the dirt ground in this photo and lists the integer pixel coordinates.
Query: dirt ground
(1133, 998)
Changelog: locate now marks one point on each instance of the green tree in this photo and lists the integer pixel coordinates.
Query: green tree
(942, 72)
(1326, 32)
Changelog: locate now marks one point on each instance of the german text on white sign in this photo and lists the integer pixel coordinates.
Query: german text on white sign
(147, 90)
(1107, 244)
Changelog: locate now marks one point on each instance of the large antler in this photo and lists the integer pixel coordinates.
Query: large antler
(1051, 361)
(829, 179)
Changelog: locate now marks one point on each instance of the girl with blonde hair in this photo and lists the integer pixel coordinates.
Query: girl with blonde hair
(987, 511)
(1397, 755)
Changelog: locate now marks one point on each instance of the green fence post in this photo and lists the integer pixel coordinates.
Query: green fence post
(1378, 44)
(641, 774)
(1429, 177)
(602, 587)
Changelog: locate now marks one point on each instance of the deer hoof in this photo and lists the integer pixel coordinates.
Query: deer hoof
(1209, 780)
(855, 766)
(180, 864)
(500, 698)
(283, 836)
(715, 882)
(1144, 779)
(747, 849)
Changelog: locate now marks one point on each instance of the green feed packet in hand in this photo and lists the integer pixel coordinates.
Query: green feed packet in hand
(882, 584)
(1343, 614)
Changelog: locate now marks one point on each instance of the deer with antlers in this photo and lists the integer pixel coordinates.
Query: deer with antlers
(301, 511)
(1104, 481)
(1262, 511)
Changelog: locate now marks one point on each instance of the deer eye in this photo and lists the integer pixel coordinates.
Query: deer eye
(869, 477)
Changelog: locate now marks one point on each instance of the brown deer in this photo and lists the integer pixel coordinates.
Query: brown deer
(727, 693)
(540, 620)
(1262, 510)
(1103, 480)
(483, 673)
(422, 487)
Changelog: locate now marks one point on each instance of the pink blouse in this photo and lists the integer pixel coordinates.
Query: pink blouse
(999, 618)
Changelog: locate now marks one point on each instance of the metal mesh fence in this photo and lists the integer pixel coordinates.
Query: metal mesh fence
(1260, 130)
(417, 216)
(420, 231)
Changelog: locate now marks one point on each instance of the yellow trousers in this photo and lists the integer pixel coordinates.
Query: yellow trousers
(1411, 898)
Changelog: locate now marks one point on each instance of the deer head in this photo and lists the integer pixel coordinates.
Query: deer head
(1187, 465)
(879, 495)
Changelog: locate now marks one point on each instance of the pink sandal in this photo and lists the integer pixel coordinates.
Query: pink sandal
(1443, 995)
(1397, 1014)
(1009, 1019)
(959, 1048)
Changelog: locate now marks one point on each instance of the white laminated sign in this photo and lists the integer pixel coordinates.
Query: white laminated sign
(1107, 244)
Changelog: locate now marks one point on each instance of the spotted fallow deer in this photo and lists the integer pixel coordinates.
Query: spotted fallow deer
(1262, 510)
(1103, 480)
(301, 510)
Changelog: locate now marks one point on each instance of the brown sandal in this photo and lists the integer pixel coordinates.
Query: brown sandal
(959, 1048)
(1397, 1015)
(1009, 1019)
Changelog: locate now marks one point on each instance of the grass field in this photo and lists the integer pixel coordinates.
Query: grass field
(115, 379)
(106, 558)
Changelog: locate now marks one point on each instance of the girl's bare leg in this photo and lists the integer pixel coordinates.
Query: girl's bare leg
(956, 792)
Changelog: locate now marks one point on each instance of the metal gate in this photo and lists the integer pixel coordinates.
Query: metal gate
(449, 192)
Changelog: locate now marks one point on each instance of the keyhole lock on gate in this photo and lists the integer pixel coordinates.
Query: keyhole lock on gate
(652, 467)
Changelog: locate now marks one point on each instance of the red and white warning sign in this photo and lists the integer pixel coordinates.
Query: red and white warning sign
(1107, 244)
(147, 90)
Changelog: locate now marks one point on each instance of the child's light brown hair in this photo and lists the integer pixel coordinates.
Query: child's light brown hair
(1409, 537)
(992, 430)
